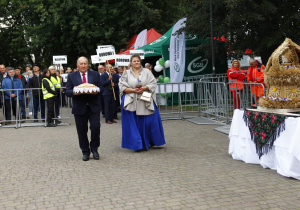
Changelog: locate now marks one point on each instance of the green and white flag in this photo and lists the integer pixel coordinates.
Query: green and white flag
(177, 53)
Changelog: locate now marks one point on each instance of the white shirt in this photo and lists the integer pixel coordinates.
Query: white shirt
(86, 76)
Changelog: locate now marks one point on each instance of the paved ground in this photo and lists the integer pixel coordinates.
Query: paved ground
(41, 168)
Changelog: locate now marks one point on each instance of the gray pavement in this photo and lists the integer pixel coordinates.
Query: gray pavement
(41, 168)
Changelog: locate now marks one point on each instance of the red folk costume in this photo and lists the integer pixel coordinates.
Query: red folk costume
(256, 74)
(235, 75)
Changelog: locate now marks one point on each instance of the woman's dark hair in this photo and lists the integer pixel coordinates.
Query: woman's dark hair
(45, 72)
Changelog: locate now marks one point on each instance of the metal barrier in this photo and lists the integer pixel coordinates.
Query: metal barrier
(29, 116)
(199, 77)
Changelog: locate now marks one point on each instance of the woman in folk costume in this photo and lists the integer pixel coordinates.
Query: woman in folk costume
(235, 75)
(141, 122)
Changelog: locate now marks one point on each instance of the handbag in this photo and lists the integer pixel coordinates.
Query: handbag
(146, 96)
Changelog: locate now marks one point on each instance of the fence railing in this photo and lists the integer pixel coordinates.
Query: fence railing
(28, 108)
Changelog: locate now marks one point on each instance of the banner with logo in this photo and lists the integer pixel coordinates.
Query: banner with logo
(122, 60)
(177, 53)
(60, 59)
(106, 53)
(141, 53)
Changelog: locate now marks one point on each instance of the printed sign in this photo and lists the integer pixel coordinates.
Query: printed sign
(65, 77)
(106, 53)
(141, 53)
(95, 59)
(105, 46)
(60, 59)
(122, 60)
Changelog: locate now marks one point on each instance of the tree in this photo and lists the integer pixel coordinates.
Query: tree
(260, 25)
(75, 28)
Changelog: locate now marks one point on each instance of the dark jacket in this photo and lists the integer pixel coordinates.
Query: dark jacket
(106, 84)
(80, 102)
(24, 83)
(36, 82)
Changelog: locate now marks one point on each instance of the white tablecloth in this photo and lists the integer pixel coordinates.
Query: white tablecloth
(285, 155)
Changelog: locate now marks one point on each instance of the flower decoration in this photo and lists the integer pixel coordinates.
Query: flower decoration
(274, 89)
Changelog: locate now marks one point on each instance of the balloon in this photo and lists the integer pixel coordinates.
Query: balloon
(157, 63)
(166, 80)
(161, 61)
(167, 64)
(158, 68)
(161, 78)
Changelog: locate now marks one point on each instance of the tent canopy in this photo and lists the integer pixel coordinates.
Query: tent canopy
(152, 35)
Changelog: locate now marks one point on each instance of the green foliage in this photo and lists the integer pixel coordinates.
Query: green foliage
(75, 28)
(260, 25)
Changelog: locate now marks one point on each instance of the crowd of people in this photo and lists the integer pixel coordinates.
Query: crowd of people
(25, 90)
(254, 74)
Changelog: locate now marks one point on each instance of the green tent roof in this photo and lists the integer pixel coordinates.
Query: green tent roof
(155, 48)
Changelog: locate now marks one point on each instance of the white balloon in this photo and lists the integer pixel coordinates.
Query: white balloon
(167, 64)
(157, 63)
(158, 68)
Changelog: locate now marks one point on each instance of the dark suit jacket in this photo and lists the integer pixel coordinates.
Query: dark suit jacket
(106, 84)
(80, 102)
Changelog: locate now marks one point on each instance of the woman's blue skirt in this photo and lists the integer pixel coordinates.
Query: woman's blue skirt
(140, 132)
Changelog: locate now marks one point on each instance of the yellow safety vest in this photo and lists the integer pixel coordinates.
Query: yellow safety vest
(46, 94)
(55, 82)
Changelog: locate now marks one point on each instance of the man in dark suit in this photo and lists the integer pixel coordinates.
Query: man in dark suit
(102, 71)
(86, 107)
(109, 101)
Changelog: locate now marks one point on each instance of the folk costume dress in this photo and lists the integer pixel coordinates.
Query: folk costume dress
(256, 74)
(235, 75)
(141, 122)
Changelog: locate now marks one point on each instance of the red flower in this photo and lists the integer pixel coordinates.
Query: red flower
(273, 118)
(256, 115)
(264, 117)
(263, 135)
(247, 113)
(255, 133)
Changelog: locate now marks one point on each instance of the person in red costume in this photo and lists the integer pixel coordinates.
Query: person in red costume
(256, 75)
(235, 75)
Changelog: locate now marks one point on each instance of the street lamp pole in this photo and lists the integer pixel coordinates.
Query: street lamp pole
(212, 41)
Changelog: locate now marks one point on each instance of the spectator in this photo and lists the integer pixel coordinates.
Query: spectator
(101, 71)
(256, 75)
(22, 98)
(120, 71)
(49, 94)
(57, 84)
(29, 93)
(109, 102)
(11, 83)
(38, 101)
(235, 75)
(147, 66)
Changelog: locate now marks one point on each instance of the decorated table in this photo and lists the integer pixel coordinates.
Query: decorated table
(271, 140)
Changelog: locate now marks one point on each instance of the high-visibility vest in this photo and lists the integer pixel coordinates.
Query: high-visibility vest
(46, 94)
(55, 81)
(235, 87)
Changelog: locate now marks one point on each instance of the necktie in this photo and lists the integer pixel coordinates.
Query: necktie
(83, 78)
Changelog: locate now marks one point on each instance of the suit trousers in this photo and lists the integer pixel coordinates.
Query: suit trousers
(82, 129)
(109, 107)
(10, 108)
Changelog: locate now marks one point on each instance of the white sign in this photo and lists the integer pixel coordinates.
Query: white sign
(105, 46)
(174, 88)
(95, 59)
(141, 53)
(106, 53)
(65, 77)
(60, 59)
(122, 60)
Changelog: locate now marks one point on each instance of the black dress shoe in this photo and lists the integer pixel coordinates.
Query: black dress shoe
(85, 157)
(50, 125)
(95, 155)
(57, 122)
